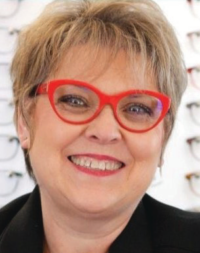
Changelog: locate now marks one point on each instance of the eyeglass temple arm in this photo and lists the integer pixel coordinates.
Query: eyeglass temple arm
(42, 89)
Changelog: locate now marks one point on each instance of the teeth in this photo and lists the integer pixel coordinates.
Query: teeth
(87, 163)
(80, 162)
(95, 164)
(102, 165)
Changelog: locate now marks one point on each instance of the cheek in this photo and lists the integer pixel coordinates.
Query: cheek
(50, 140)
(147, 146)
(49, 130)
(145, 150)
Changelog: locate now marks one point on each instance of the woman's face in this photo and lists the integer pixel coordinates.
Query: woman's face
(103, 140)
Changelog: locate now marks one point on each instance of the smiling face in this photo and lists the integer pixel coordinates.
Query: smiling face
(98, 166)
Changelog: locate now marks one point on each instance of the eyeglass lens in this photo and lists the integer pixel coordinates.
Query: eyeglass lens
(8, 147)
(78, 103)
(8, 182)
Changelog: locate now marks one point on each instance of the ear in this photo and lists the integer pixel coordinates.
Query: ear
(23, 132)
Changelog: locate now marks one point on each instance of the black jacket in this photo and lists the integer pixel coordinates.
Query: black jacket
(153, 228)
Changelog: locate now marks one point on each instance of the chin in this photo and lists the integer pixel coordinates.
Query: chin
(94, 205)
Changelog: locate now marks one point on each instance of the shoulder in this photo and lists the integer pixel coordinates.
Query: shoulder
(21, 227)
(172, 227)
(8, 212)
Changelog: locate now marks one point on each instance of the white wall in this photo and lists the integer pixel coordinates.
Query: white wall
(172, 187)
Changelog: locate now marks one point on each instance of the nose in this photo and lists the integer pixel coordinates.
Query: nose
(104, 129)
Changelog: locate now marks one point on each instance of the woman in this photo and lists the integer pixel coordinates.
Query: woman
(96, 86)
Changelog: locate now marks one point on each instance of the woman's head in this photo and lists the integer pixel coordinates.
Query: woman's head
(138, 28)
(98, 167)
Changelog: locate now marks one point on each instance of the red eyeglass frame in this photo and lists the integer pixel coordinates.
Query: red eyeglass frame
(105, 99)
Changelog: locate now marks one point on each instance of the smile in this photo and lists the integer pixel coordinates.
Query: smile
(95, 164)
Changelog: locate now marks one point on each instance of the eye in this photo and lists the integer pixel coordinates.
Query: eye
(139, 109)
(73, 100)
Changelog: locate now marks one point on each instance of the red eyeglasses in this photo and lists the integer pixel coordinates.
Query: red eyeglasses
(77, 102)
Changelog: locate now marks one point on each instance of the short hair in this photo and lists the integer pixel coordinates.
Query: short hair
(136, 26)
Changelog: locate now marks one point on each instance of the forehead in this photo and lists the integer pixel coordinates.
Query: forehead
(105, 70)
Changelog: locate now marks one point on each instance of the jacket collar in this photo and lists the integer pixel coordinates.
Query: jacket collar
(25, 231)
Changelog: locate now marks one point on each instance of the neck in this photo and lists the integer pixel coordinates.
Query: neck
(68, 231)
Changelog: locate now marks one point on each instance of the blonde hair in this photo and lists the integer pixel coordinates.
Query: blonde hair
(136, 26)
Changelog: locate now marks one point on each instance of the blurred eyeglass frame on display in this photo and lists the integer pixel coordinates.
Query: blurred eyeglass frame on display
(194, 182)
(194, 144)
(194, 75)
(194, 38)
(6, 111)
(9, 146)
(194, 108)
(9, 181)
(9, 8)
(8, 36)
(194, 6)
(5, 80)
